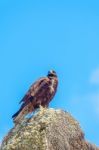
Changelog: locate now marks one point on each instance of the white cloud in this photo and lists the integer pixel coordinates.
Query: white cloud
(94, 79)
(94, 97)
(95, 101)
(88, 102)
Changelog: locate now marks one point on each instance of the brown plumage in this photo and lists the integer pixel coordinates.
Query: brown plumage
(40, 93)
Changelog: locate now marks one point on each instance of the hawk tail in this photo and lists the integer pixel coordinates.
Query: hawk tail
(17, 113)
(21, 113)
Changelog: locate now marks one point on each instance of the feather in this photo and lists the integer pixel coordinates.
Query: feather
(41, 92)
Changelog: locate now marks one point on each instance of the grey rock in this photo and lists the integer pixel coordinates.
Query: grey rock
(48, 129)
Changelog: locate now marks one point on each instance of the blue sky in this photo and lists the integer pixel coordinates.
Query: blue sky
(36, 36)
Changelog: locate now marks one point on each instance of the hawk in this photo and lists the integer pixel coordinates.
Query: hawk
(40, 93)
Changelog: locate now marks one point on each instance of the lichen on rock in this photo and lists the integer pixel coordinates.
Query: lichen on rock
(48, 129)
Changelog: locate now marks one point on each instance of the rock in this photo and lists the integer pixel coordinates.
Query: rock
(48, 129)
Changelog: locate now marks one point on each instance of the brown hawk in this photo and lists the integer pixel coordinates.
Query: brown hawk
(40, 93)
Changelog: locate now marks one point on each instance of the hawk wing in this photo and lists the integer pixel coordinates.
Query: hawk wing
(34, 89)
(32, 93)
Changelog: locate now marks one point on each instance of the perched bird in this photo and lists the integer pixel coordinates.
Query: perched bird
(40, 94)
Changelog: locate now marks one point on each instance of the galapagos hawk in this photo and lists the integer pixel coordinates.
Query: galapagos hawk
(40, 93)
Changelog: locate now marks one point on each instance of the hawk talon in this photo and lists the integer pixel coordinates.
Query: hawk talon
(41, 107)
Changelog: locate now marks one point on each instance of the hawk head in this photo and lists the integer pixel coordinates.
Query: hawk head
(52, 73)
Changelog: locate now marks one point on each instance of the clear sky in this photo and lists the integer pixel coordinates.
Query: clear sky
(36, 36)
